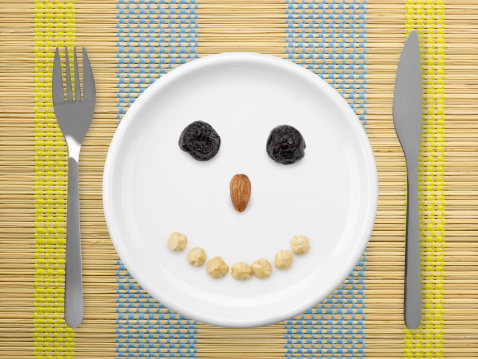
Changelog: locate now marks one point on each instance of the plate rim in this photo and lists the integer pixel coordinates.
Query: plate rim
(120, 133)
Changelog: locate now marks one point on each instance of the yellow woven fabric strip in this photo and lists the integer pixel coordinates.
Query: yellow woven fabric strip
(427, 16)
(54, 26)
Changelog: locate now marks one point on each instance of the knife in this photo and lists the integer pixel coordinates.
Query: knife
(407, 119)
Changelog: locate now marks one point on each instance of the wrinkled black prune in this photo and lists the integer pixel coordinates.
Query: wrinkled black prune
(285, 145)
(200, 140)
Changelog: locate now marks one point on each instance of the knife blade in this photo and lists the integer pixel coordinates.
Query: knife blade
(407, 119)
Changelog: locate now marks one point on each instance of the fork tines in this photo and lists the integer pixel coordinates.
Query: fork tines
(57, 82)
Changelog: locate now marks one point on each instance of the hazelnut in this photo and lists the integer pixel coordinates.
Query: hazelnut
(217, 268)
(262, 268)
(283, 259)
(177, 241)
(300, 244)
(196, 257)
(241, 271)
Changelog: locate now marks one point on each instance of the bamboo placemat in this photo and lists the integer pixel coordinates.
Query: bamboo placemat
(353, 44)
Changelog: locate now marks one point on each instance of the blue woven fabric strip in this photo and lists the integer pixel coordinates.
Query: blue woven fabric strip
(328, 37)
(154, 36)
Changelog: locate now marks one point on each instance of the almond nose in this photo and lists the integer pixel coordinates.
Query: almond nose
(240, 188)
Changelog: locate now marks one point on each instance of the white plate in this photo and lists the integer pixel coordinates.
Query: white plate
(151, 188)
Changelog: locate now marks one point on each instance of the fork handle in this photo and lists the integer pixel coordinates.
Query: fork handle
(413, 299)
(73, 281)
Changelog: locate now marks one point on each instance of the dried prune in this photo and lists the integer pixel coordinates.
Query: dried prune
(285, 145)
(200, 140)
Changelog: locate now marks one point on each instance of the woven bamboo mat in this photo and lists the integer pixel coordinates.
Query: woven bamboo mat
(125, 37)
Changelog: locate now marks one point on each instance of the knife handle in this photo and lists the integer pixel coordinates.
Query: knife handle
(413, 292)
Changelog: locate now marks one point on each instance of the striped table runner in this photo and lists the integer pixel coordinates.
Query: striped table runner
(354, 45)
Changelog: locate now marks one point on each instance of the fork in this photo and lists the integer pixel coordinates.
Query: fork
(74, 118)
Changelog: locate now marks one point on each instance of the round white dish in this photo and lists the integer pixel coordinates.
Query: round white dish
(151, 188)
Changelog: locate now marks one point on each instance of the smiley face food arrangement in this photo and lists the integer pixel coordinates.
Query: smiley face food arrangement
(285, 145)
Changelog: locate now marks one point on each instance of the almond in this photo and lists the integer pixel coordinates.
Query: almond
(240, 187)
